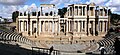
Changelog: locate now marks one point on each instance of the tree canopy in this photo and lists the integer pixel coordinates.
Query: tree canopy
(114, 18)
(15, 15)
(62, 12)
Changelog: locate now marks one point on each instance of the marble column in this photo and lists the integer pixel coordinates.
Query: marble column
(64, 27)
(93, 28)
(74, 27)
(89, 26)
(85, 26)
(59, 27)
(19, 26)
(78, 26)
(67, 26)
(98, 27)
(48, 26)
(106, 25)
(107, 12)
(19, 13)
(27, 27)
(103, 11)
(39, 27)
(43, 26)
(103, 27)
(37, 12)
(69, 11)
(94, 11)
(89, 12)
(53, 26)
(23, 26)
(72, 11)
(81, 26)
(36, 28)
(23, 14)
(31, 28)
(55, 29)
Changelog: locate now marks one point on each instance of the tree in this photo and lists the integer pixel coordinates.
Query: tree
(115, 18)
(109, 12)
(62, 12)
(15, 15)
(5, 20)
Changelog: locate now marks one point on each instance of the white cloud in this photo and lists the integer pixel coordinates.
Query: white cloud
(114, 5)
(12, 2)
(56, 2)
(6, 11)
(32, 7)
(9, 6)
(97, 2)
(64, 2)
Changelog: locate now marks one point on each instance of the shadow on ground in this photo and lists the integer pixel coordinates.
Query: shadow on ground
(9, 49)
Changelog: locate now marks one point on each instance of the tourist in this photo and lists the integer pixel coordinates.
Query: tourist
(51, 49)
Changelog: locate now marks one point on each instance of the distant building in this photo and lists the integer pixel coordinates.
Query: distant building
(9, 19)
(80, 20)
(1, 19)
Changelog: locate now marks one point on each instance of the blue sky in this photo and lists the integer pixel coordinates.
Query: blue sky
(38, 2)
(9, 6)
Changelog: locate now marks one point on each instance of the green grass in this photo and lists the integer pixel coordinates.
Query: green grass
(3, 28)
